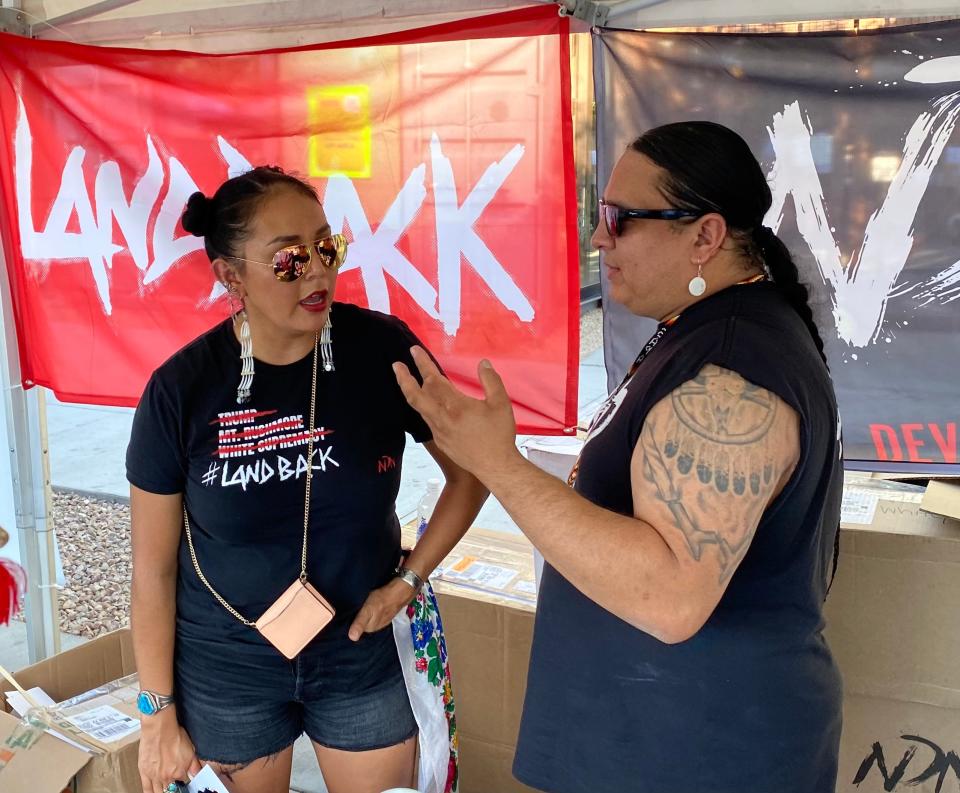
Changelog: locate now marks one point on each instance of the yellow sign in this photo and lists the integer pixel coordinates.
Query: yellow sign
(340, 135)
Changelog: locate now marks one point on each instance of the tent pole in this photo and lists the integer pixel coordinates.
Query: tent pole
(49, 552)
(26, 433)
(86, 12)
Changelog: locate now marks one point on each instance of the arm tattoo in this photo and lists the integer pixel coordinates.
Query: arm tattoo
(714, 434)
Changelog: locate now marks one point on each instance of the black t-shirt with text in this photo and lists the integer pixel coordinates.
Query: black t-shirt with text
(242, 470)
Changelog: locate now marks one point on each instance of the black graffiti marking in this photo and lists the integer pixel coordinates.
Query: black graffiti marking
(890, 781)
(942, 763)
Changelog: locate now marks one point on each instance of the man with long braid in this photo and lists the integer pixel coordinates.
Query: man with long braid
(678, 645)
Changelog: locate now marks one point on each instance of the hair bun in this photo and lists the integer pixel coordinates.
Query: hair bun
(196, 217)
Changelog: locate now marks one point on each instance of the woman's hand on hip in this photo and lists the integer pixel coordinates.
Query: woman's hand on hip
(381, 606)
(166, 752)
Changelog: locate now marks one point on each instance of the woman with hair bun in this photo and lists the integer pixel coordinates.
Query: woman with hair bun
(264, 466)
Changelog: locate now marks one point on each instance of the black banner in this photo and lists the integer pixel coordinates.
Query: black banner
(858, 137)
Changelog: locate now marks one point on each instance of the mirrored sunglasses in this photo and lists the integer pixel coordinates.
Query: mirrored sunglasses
(291, 262)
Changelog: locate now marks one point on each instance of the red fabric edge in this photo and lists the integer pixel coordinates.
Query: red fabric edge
(9, 238)
(571, 406)
(572, 377)
(537, 20)
(86, 399)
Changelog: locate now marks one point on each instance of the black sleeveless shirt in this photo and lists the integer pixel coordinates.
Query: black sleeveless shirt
(752, 702)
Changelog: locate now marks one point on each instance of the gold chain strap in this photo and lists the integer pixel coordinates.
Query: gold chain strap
(203, 578)
(306, 498)
(306, 507)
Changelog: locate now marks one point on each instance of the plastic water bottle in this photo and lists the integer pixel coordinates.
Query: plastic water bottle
(426, 505)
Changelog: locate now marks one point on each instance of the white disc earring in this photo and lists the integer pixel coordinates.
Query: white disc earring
(697, 286)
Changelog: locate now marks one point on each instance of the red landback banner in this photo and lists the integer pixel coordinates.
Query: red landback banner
(444, 154)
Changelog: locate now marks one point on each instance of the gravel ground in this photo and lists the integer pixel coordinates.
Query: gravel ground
(591, 331)
(94, 537)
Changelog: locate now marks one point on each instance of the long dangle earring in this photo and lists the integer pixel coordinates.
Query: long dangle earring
(326, 346)
(246, 351)
(246, 361)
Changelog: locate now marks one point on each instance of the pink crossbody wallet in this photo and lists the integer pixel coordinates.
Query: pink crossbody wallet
(295, 618)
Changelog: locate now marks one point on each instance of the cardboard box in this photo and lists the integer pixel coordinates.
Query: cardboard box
(892, 507)
(496, 566)
(942, 498)
(892, 624)
(489, 647)
(49, 765)
(46, 767)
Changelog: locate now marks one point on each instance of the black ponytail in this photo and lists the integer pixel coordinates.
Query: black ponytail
(783, 271)
(710, 168)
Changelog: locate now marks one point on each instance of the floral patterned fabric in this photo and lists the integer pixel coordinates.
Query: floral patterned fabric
(430, 651)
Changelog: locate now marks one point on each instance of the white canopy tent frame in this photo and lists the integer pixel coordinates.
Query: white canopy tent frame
(243, 25)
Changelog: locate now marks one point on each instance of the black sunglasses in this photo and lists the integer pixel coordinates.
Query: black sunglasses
(613, 216)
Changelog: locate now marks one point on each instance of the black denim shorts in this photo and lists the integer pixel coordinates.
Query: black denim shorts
(241, 702)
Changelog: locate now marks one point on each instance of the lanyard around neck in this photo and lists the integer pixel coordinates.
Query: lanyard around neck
(652, 342)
